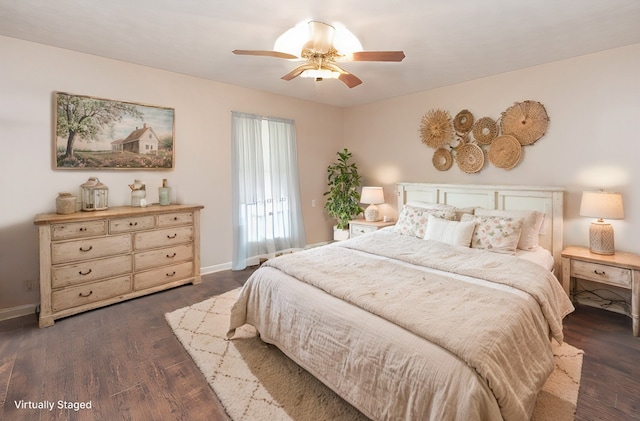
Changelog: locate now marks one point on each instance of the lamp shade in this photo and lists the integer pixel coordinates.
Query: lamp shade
(372, 195)
(602, 205)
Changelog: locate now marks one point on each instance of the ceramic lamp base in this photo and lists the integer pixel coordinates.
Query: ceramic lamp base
(371, 214)
(601, 238)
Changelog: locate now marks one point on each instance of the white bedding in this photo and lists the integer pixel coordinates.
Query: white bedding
(468, 348)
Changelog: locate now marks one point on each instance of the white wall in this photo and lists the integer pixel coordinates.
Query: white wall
(30, 73)
(592, 140)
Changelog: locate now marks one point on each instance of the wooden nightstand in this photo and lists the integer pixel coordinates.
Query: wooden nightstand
(360, 226)
(620, 270)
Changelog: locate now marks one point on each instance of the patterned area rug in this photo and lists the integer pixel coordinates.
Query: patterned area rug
(254, 380)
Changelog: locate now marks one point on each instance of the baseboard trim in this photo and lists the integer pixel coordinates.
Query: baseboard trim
(215, 268)
(19, 311)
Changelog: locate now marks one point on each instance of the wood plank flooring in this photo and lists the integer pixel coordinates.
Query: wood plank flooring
(125, 360)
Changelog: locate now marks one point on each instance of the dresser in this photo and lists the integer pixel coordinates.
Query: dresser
(621, 270)
(93, 259)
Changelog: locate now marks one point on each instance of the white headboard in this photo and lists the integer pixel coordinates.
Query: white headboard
(541, 198)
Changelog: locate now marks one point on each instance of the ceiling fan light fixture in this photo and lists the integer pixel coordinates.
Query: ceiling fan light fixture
(320, 74)
(293, 40)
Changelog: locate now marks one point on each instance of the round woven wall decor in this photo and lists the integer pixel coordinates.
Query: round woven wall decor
(442, 159)
(527, 121)
(436, 129)
(505, 152)
(463, 121)
(470, 158)
(485, 130)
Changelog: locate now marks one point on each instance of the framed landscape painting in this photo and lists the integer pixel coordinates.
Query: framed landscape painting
(97, 133)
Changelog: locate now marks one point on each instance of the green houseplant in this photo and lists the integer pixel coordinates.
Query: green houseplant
(343, 198)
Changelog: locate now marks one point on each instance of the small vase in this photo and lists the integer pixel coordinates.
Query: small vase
(165, 195)
(65, 203)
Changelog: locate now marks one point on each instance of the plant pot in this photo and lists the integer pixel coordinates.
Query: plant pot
(340, 234)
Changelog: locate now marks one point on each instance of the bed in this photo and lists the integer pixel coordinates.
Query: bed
(409, 323)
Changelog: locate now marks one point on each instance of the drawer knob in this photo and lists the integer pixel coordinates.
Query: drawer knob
(172, 236)
(175, 218)
(599, 272)
(171, 274)
(85, 273)
(170, 256)
(82, 229)
(85, 295)
(84, 249)
(133, 224)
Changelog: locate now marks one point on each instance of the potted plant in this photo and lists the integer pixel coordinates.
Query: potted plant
(343, 199)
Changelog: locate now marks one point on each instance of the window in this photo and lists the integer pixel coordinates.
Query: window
(267, 216)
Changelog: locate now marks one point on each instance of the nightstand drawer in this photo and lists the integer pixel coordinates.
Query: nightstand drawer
(357, 229)
(601, 273)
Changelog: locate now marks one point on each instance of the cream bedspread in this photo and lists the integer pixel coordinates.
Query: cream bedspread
(483, 345)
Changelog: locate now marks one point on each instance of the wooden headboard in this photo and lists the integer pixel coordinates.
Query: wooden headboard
(548, 200)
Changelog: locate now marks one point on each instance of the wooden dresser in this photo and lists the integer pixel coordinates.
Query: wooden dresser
(93, 259)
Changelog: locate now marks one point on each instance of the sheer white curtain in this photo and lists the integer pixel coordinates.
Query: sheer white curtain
(267, 216)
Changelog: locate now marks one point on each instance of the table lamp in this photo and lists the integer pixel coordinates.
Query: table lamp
(601, 205)
(372, 196)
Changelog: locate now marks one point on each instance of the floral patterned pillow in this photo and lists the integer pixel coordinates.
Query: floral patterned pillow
(494, 233)
(413, 220)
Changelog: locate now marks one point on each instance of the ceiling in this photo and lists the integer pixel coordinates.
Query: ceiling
(445, 41)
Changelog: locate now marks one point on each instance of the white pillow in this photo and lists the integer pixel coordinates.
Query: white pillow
(531, 224)
(413, 220)
(451, 232)
(494, 233)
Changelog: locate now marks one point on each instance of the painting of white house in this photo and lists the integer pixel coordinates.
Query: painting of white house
(101, 133)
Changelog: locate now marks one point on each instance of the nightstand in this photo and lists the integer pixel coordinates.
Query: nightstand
(620, 270)
(360, 226)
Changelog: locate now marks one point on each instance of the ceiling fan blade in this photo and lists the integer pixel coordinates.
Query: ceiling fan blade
(320, 37)
(376, 56)
(297, 71)
(349, 79)
(266, 53)
(345, 77)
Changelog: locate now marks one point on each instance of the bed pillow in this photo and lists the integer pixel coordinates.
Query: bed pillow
(531, 224)
(494, 233)
(456, 233)
(459, 211)
(413, 220)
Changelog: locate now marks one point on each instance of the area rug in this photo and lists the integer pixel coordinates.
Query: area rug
(254, 380)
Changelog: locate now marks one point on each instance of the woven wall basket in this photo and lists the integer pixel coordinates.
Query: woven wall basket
(442, 159)
(463, 121)
(485, 130)
(436, 129)
(470, 158)
(505, 152)
(527, 121)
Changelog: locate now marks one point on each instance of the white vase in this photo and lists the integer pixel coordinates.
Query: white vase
(340, 234)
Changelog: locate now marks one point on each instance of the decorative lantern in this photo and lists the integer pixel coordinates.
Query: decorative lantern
(94, 194)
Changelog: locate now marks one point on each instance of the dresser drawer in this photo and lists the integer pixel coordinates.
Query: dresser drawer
(92, 248)
(162, 238)
(72, 230)
(177, 218)
(162, 275)
(131, 224)
(91, 270)
(162, 257)
(90, 293)
(601, 273)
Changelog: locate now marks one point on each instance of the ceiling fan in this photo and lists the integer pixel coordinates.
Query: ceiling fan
(321, 57)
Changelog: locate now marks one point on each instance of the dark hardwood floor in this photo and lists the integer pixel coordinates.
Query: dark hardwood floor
(125, 360)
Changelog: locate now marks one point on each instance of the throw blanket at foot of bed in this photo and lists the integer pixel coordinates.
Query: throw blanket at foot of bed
(499, 326)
